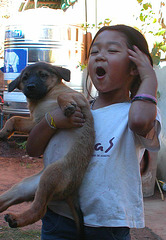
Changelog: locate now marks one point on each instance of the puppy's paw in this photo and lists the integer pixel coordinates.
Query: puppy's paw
(70, 109)
(2, 136)
(3, 139)
(11, 220)
(5, 134)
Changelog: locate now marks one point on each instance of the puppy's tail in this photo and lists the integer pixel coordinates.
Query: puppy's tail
(78, 216)
(80, 227)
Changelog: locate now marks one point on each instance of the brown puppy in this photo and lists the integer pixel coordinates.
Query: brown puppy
(42, 84)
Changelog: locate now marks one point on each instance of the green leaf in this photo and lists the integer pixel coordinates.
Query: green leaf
(156, 60)
(158, 94)
(161, 32)
(163, 48)
(154, 50)
(22, 145)
(147, 5)
(141, 17)
(154, 20)
(139, 1)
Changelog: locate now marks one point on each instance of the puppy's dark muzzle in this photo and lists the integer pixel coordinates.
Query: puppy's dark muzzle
(31, 87)
(35, 91)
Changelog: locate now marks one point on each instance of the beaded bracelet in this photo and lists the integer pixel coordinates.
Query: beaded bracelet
(52, 123)
(145, 97)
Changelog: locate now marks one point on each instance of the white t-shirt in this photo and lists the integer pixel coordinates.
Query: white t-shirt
(111, 191)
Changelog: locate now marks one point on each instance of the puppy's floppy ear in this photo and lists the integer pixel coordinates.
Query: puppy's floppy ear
(14, 84)
(63, 73)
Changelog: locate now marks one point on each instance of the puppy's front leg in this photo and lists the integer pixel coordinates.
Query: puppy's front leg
(16, 124)
(21, 192)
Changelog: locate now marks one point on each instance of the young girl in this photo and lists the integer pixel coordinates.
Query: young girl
(126, 122)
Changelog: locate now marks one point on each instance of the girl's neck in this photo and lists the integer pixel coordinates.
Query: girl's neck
(104, 100)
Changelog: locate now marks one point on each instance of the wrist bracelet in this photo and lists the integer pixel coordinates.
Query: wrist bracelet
(148, 96)
(145, 97)
(52, 123)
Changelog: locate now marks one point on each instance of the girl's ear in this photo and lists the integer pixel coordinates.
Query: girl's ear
(134, 71)
(135, 84)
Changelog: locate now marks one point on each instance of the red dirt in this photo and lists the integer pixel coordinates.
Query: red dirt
(16, 165)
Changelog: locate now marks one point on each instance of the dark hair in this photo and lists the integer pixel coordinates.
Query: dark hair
(133, 37)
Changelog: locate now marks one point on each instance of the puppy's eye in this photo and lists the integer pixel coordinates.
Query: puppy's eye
(25, 77)
(43, 74)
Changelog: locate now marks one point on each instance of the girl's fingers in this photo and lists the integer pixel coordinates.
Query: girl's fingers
(78, 113)
(78, 122)
(78, 109)
(136, 49)
(138, 54)
(77, 119)
(142, 62)
(138, 57)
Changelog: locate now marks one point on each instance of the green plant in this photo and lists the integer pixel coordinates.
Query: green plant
(87, 26)
(22, 145)
(158, 94)
(151, 25)
(81, 66)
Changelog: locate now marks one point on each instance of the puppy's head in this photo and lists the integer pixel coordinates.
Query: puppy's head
(37, 79)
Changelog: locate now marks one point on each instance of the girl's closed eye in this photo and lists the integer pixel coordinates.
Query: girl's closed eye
(94, 51)
(113, 50)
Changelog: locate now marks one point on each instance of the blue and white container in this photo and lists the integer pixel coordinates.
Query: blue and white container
(41, 34)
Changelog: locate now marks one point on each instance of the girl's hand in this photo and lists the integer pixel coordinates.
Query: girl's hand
(45, 132)
(75, 120)
(143, 64)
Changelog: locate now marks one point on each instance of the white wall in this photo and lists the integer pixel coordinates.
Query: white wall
(161, 75)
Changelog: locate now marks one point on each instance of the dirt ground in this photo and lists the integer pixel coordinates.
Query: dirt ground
(15, 165)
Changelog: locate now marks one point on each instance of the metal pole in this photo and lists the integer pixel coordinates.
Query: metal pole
(35, 3)
(96, 14)
(86, 19)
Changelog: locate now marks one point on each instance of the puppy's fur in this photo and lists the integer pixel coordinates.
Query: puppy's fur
(42, 84)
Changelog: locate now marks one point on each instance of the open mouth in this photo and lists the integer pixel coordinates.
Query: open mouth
(100, 71)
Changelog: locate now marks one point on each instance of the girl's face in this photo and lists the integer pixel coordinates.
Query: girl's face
(109, 64)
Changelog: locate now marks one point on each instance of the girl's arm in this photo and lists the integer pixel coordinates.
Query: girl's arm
(42, 132)
(142, 114)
